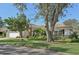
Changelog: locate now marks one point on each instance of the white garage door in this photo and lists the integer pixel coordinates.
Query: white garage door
(13, 34)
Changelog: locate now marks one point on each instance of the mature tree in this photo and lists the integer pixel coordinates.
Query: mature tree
(44, 11)
(72, 23)
(22, 7)
(21, 18)
(22, 23)
(11, 23)
(57, 12)
(17, 24)
(50, 12)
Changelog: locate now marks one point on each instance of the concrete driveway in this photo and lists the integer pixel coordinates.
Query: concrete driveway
(12, 50)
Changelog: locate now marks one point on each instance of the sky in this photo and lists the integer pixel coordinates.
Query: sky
(9, 10)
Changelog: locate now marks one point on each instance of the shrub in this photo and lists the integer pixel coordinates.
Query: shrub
(75, 40)
(18, 37)
(27, 37)
(37, 38)
(74, 35)
(56, 37)
(62, 39)
(39, 32)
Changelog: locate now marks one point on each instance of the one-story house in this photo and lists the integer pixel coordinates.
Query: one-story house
(60, 29)
(4, 32)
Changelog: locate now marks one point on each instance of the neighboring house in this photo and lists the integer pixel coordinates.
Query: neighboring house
(14, 34)
(60, 29)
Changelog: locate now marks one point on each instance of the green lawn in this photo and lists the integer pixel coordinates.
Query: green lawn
(72, 48)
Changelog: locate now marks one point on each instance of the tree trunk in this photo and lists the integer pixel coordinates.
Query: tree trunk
(20, 34)
(47, 30)
(51, 32)
(53, 21)
(30, 32)
(48, 36)
(52, 25)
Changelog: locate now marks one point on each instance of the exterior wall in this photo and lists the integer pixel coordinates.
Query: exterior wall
(12, 34)
(67, 32)
(25, 33)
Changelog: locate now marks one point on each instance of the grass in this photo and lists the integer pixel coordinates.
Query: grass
(72, 48)
(29, 43)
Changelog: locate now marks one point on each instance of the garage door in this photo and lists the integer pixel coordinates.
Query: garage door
(13, 34)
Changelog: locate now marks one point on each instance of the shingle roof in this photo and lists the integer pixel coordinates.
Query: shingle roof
(3, 29)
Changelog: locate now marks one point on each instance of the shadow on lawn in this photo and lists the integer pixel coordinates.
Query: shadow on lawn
(47, 46)
(39, 45)
(58, 49)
